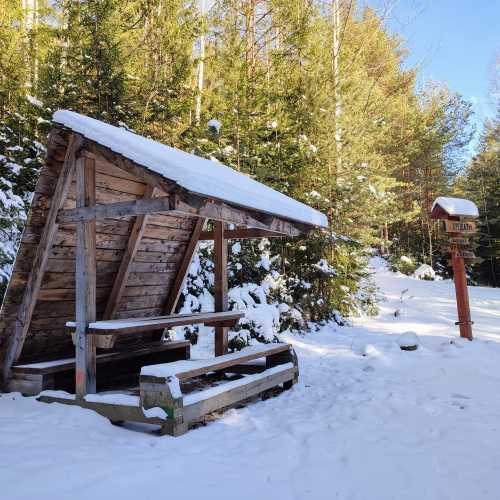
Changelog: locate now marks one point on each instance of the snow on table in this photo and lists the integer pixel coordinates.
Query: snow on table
(196, 174)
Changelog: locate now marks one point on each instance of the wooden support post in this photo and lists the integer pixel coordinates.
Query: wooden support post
(123, 272)
(180, 279)
(221, 298)
(85, 373)
(32, 288)
(460, 279)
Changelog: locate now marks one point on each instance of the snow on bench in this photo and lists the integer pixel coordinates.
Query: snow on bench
(192, 368)
(140, 325)
(161, 401)
(32, 378)
(160, 384)
(197, 397)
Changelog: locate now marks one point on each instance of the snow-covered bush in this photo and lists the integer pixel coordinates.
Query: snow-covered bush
(425, 272)
(21, 154)
(281, 285)
(403, 264)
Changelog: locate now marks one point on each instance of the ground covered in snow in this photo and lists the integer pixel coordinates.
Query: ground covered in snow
(366, 421)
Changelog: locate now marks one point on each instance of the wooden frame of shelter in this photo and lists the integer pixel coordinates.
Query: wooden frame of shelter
(105, 255)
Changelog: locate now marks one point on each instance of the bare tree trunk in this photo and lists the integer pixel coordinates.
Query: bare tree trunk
(30, 23)
(201, 70)
(336, 85)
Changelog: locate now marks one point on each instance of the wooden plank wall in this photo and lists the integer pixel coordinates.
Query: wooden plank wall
(152, 273)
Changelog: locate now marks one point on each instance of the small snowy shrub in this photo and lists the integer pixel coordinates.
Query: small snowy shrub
(403, 264)
(425, 272)
(21, 156)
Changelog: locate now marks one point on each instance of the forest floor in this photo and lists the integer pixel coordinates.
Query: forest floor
(387, 425)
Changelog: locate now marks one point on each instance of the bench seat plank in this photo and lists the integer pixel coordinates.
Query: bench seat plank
(140, 325)
(191, 368)
(61, 365)
(200, 403)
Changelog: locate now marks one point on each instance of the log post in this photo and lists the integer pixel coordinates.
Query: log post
(463, 308)
(85, 373)
(220, 278)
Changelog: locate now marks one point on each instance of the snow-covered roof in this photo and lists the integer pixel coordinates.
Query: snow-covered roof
(457, 206)
(198, 175)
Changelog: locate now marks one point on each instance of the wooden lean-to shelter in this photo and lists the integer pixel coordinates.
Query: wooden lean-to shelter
(114, 223)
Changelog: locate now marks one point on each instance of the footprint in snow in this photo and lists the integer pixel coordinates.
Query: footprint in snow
(460, 396)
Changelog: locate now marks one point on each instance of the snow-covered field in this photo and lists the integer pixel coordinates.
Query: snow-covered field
(387, 425)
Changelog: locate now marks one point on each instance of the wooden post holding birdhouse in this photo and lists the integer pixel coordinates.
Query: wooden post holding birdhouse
(459, 219)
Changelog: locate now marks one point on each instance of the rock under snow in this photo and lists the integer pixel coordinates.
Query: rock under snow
(408, 341)
(424, 271)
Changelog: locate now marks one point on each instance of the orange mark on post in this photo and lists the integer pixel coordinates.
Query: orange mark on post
(80, 377)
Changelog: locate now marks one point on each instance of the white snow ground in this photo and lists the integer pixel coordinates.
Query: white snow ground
(388, 425)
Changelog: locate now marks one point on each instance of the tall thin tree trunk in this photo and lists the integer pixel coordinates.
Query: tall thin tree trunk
(333, 173)
(201, 70)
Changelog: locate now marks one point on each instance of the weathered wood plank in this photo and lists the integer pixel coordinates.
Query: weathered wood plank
(128, 256)
(183, 269)
(141, 302)
(35, 278)
(61, 365)
(196, 368)
(240, 234)
(150, 245)
(158, 257)
(192, 204)
(167, 233)
(85, 292)
(102, 153)
(136, 291)
(117, 209)
(220, 285)
(57, 265)
(171, 221)
(48, 180)
(113, 412)
(139, 279)
(67, 238)
(240, 392)
(157, 323)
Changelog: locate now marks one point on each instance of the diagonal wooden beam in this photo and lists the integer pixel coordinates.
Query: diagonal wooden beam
(127, 259)
(180, 279)
(25, 311)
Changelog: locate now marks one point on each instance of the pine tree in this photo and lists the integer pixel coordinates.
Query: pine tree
(481, 183)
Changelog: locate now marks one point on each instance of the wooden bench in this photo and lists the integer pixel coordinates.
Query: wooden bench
(105, 332)
(161, 401)
(160, 384)
(30, 379)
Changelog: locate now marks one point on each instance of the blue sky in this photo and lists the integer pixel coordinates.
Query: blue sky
(453, 42)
